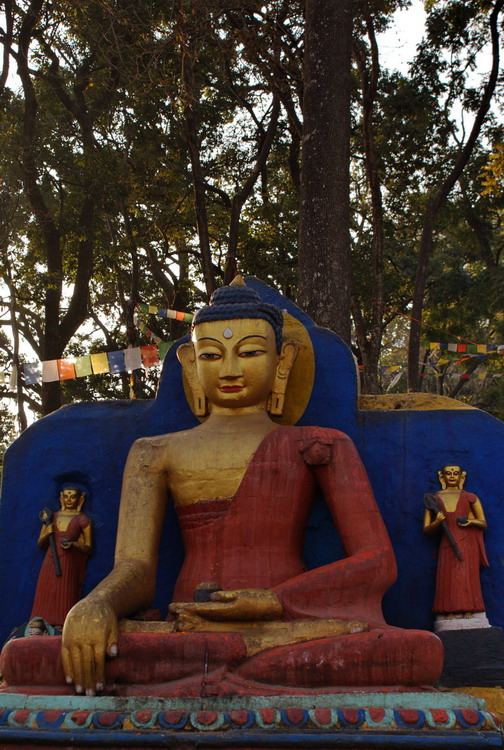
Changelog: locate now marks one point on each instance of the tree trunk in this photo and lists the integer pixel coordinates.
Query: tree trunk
(324, 235)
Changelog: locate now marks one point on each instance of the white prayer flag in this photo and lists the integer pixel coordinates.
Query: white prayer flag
(132, 358)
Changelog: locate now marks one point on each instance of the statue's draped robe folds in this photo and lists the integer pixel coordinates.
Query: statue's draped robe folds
(255, 540)
(56, 595)
(458, 587)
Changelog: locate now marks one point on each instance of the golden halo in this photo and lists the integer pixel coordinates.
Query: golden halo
(301, 377)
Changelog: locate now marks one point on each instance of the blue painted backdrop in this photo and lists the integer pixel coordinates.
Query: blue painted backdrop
(402, 452)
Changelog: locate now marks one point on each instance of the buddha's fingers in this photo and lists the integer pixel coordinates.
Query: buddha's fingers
(99, 657)
(88, 669)
(76, 667)
(67, 665)
(223, 596)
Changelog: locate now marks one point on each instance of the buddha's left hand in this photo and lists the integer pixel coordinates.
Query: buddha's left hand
(242, 604)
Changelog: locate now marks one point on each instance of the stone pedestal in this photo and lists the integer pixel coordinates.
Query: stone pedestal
(473, 657)
(347, 720)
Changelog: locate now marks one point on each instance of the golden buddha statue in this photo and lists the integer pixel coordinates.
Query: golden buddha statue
(242, 486)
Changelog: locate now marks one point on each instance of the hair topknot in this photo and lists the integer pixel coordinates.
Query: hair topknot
(238, 302)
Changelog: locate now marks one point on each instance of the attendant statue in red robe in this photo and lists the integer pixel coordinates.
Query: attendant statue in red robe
(243, 486)
(459, 516)
(60, 579)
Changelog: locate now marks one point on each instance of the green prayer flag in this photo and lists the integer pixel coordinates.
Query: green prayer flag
(163, 348)
(83, 366)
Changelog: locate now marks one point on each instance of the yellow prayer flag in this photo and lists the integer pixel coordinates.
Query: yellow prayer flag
(152, 309)
(99, 363)
(481, 348)
(434, 345)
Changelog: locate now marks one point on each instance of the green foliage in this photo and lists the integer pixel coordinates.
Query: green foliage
(117, 86)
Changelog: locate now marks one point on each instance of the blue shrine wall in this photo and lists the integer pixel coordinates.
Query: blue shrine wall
(402, 451)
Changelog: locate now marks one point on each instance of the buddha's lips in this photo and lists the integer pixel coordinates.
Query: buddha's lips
(230, 388)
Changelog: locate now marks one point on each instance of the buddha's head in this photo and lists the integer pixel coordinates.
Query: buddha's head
(452, 477)
(237, 358)
(72, 498)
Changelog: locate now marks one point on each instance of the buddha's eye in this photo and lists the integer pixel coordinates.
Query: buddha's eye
(253, 353)
(209, 355)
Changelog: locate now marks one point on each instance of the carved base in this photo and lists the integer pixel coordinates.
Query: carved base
(473, 657)
(348, 720)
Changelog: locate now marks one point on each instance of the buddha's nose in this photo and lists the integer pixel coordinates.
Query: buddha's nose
(230, 367)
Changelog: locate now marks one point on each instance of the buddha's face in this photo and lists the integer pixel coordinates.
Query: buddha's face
(70, 498)
(236, 361)
(452, 475)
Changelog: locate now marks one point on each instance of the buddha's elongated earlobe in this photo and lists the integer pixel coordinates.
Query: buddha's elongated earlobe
(187, 358)
(463, 476)
(285, 363)
(81, 501)
(441, 480)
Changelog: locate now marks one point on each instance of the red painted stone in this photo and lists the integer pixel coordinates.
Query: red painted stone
(295, 715)
(323, 715)
(173, 717)
(108, 718)
(206, 717)
(80, 717)
(410, 716)
(376, 714)
(239, 717)
(351, 715)
(21, 716)
(52, 715)
(471, 717)
(439, 715)
(268, 715)
(143, 717)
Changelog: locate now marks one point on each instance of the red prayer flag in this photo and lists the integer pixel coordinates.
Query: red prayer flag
(150, 356)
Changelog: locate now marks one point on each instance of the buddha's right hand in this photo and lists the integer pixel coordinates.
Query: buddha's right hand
(89, 634)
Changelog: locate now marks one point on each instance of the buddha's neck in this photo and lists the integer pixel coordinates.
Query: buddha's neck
(239, 420)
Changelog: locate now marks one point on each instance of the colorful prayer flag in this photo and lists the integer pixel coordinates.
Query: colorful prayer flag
(132, 358)
(116, 361)
(163, 348)
(99, 363)
(66, 369)
(32, 373)
(150, 355)
(83, 366)
(50, 371)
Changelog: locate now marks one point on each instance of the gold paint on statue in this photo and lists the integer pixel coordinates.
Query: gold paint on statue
(452, 480)
(71, 502)
(258, 635)
(301, 377)
(409, 402)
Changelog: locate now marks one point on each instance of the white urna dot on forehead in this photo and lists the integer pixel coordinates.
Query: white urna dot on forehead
(228, 333)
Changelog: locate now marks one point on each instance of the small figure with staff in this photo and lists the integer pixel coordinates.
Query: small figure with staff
(458, 516)
(67, 538)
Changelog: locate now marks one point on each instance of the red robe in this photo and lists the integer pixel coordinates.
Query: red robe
(256, 538)
(56, 595)
(458, 587)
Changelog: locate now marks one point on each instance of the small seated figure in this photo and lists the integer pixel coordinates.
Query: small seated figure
(60, 579)
(243, 487)
(459, 516)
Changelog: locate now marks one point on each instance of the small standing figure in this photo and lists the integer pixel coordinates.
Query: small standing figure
(67, 537)
(459, 516)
